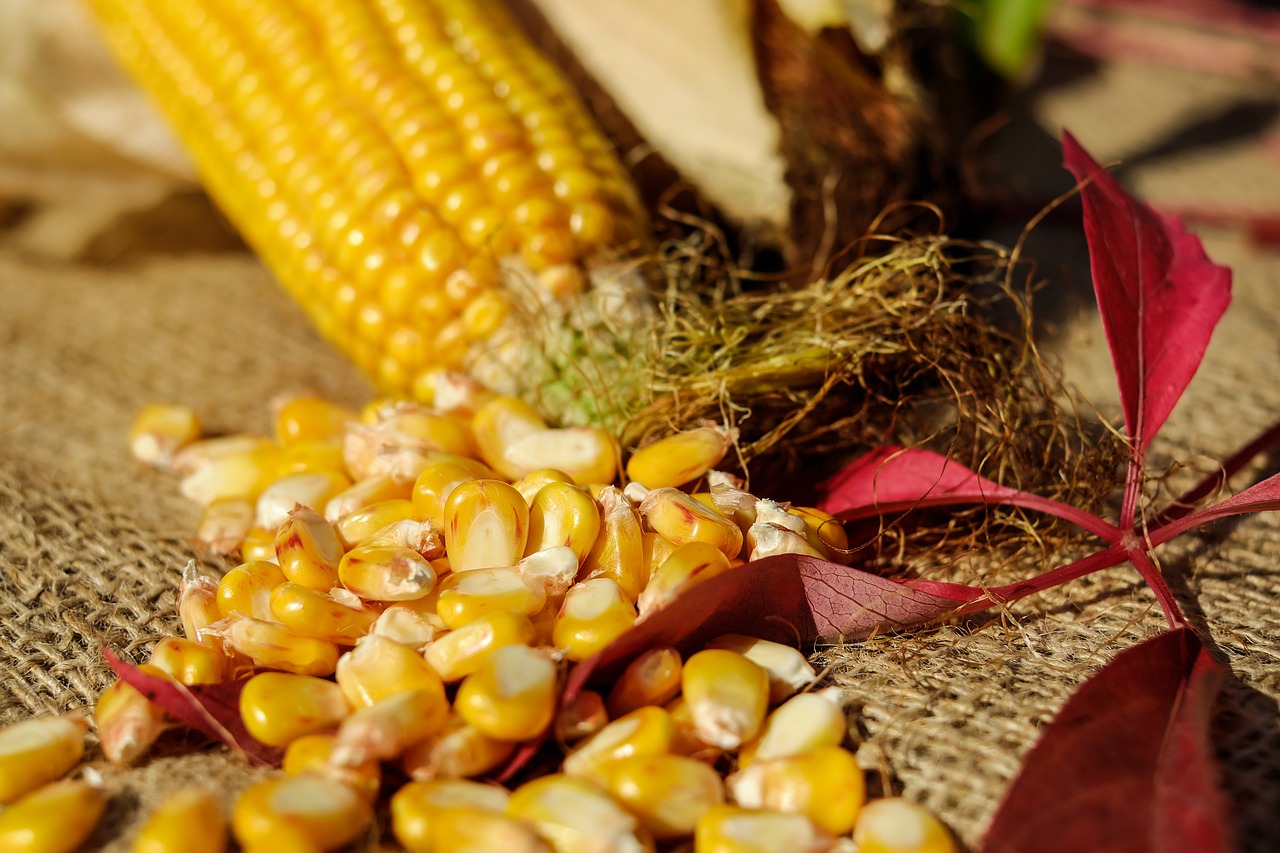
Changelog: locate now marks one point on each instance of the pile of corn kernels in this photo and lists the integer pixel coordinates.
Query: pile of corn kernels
(414, 582)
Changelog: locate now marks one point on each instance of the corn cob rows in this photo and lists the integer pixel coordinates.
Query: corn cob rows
(409, 591)
(391, 161)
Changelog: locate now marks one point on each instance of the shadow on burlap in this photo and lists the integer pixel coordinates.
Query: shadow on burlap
(91, 544)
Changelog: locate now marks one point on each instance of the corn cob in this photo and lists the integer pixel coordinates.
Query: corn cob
(385, 159)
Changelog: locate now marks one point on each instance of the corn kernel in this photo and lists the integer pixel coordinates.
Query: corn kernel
(236, 476)
(161, 429)
(277, 708)
(683, 519)
(272, 645)
(311, 612)
(313, 457)
(551, 570)
(594, 613)
(467, 596)
(804, 722)
(56, 818)
(389, 726)
(223, 526)
(366, 492)
(307, 418)
(769, 540)
(308, 549)
(386, 574)
(680, 458)
(653, 678)
(668, 793)
(458, 395)
(587, 454)
(562, 514)
(311, 490)
(645, 731)
(501, 423)
(459, 750)
(656, 549)
(789, 670)
(37, 751)
(420, 536)
(896, 825)
(259, 545)
(379, 667)
(188, 821)
(686, 740)
(210, 450)
(731, 501)
(689, 565)
(198, 605)
(486, 525)
(436, 481)
(358, 525)
(459, 653)
(408, 627)
(530, 484)
(731, 829)
(189, 662)
(512, 696)
(581, 717)
(618, 552)
(246, 589)
(826, 528)
(825, 785)
(320, 810)
(311, 754)
(727, 697)
(575, 816)
(128, 723)
(417, 810)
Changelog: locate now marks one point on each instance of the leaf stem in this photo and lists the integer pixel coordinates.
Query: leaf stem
(1185, 504)
(1155, 579)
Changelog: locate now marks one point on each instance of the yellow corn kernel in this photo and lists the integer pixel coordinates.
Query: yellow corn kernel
(308, 549)
(727, 697)
(645, 731)
(563, 514)
(530, 484)
(656, 548)
(731, 501)
(320, 810)
(37, 751)
(313, 489)
(804, 722)
(467, 596)
(686, 741)
(501, 423)
(189, 662)
(668, 793)
(581, 717)
(418, 807)
(246, 589)
(306, 457)
(575, 816)
(188, 821)
(277, 708)
(358, 525)
(127, 722)
(238, 476)
(486, 525)
(366, 492)
(56, 818)
(386, 574)
(465, 829)
(379, 667)
(420, 536)
(307, 418)
(825, 785)
(311, 754)
(689, 565)
(207, 450)
(732, 829)
(789, 670)
(434, 484)
(552, 570)
(594, 613)
(405, 625)
(160, 430)
(618, 552)
(587, 454)
(223, 526)
(459, 653)
(653, 678)
(825, 527)
(259, 544)
(198, 605)
(512, 696)
(680, 458)
(897, 825)
(682, 519)
(769, 540)
(459, 750)
(316, 614)
(458, 394)
(389, 726)
(275, 646)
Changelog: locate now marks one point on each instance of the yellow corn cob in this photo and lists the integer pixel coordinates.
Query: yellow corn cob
(645, 731)
(311, 754)
(680, 458)
(382, 158)
(278, 707)
(311, 612)
(36, 751)
(732, 829)
(512, 696)
(594, 613)
(653, 678)
(460, 750)
(189, 662)
(895, 825)
(188, 821)
(668, 793)
(727, 696)
(322, 811)
(460, 652)
(159, 430)
(54, 819)
(582, 717)
(575, 816)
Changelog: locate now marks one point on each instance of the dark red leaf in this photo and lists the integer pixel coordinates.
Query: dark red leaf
(1158, 294)
(213, 709)
(897, 479)
(1126, 766)
(1257, 498)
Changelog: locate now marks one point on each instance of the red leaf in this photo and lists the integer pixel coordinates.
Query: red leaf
(1126, 765)
(213, 709)
(1158, 294)
(897, 479)
(1257, 498)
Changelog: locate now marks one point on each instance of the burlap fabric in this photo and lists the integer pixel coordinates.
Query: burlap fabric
(91, 544)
